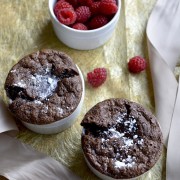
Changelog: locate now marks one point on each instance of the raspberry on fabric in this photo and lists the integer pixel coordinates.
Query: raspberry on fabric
(83, 14)
(97, 77)
(61, 5)
(80, 26)
(66, 16)
(137, 64)
(95, 7)
(98, 21)
(108, 7)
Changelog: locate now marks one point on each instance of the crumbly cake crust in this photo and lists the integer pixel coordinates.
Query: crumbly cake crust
(43, 87)
(121, 139)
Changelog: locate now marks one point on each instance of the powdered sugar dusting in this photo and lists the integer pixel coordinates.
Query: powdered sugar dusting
(10, 101)
(128, 162)
(128, 142)
(45, 109)
(115, 133)
(125, 131)
(41, 86)
(60, 110)
(119, 164)
(37, 102)
(44, 85)
(102, 140)
(21, 84)
(121, 117)
(12, 71)
(140, 141)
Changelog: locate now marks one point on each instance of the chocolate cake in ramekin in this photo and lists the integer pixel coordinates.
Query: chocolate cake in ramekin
(120, 139)
(46, 91)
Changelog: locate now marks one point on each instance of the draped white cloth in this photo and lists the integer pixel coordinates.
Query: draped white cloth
(163, 32)
(19, 161)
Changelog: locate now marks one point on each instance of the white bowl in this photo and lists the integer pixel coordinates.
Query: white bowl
(62, 124)
(83, 40)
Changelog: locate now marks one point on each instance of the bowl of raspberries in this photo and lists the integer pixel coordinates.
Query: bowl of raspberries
(84, 24)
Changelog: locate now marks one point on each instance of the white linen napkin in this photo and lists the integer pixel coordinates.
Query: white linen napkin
(163, 31)
(19, 161)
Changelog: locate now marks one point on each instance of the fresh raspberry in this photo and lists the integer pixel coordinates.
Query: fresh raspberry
(95, 7)
(108, 7)
(111, 1)
(74, 3)
(97, 77)
(137, 64)
(79, 26)
(85, 2)
(61, 5)
(83, 14)
(98, 21)
(66, 16)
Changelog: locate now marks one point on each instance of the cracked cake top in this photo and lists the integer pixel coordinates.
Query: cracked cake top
(43, 87)
(121, 139)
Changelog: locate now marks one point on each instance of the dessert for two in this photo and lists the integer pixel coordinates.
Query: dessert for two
(120, 138)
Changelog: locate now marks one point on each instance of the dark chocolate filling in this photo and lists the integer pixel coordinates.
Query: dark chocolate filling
(43, 85)
(14, 92)
(125, 131)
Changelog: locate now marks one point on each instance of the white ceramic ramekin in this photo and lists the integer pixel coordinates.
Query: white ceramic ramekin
(83, 40)
(62, 124)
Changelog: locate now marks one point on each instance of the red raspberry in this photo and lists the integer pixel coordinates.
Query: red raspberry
(61, 5)
(74, 3)
(83, 14)
(111, 1)
(95, 7)
(85, 2)
(108, 7)
(137, 64)
(61, 1)
(80, 26)
(66, 16)
(98, 21)
(97, 77)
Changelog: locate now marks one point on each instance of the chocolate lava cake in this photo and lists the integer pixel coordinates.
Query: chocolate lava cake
(121, 139)
(43, 87)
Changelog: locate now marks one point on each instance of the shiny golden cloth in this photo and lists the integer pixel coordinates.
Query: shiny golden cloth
(25, 27)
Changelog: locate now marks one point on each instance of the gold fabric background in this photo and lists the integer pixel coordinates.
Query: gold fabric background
(25, 27)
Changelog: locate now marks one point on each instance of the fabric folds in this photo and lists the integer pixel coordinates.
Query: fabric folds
(163, 30)
(19, 161)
